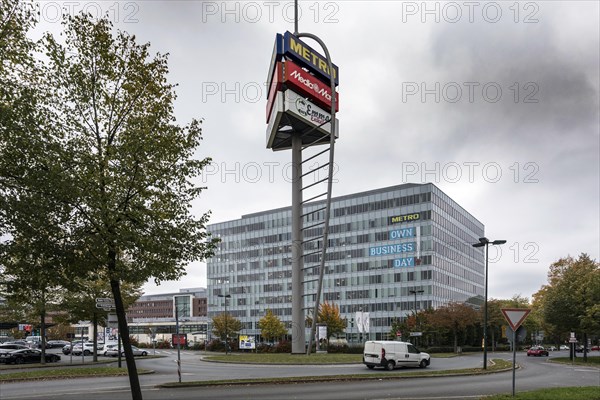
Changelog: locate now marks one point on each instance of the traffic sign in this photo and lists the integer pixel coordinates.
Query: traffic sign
(105, 300)
(515, 316)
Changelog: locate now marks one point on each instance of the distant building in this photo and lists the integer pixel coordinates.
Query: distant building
(154, 315)
(384, 245)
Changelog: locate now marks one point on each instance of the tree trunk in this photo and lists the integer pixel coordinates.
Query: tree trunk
(43, 328)
(455, 341)
(95, 322)
(134, 382)
(585, 349)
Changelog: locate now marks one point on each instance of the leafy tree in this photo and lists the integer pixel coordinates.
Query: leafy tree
(271, 326)
(225, 325)
(455, 317)
(570, 300)
(329, 314)
(80, 302)
(102, 142)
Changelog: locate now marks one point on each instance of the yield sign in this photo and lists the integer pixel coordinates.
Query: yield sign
(515, 316)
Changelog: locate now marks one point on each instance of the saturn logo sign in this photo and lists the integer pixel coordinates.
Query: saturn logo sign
(302, 106)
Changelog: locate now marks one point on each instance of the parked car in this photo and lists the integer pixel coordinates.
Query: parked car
(87, 349)
(564, 347)
(26, 356)
(579, 349)
(537, 351)
(115, 352)
(52, 344)
(596, 348)
(109, 347)
(8, 347)
(67, 348)
(551, 348)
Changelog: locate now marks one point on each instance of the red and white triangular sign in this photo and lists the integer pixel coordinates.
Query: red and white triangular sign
(515, 316)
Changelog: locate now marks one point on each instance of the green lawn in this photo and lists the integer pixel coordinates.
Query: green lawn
(569, 393)
(591, 361)
(499, 365)
(66, 373)
(286, 358)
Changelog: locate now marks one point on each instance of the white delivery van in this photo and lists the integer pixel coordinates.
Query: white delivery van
(390, 354)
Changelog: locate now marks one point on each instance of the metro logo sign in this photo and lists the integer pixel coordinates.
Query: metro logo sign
(305, 83)
(309, 58)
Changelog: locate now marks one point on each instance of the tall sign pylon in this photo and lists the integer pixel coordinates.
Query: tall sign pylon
(301, 114)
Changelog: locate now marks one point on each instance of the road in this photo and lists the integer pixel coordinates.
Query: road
(536, 373)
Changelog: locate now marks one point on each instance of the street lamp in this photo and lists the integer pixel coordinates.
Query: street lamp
(420, 291)
(226, 296)
(486, 242)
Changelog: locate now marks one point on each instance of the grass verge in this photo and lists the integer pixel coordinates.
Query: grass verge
(498, 366)
(591, 361)
(570, 393)
(67, 373)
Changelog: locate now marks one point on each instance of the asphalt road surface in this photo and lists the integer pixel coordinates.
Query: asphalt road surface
(535, 373)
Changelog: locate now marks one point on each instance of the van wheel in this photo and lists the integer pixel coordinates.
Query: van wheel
(390, 365)
(370, 366)
(423, 364)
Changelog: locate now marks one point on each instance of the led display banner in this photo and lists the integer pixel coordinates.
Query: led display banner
(305, 83)
(404, 262)
(309, 58)
(392, 249)
(402, 233)
(398, 219)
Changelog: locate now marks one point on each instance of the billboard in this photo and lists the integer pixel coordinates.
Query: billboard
(300, 114)
(304, 83)
(247, 342)
(392, 249)
(404, 262)
(309, 58)
(397, 219)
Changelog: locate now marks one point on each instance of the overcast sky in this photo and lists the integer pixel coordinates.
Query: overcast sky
(494, 102)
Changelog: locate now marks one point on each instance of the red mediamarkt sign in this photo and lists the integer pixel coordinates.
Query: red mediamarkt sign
(303, 82)
(293, 76)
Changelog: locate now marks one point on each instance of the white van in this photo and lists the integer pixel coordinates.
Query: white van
(391, 354)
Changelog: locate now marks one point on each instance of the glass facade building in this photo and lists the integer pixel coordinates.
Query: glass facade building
(383, 244)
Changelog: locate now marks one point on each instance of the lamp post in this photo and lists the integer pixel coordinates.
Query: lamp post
(177, 336)
(486, 242)
(420, 291)
(226, 296)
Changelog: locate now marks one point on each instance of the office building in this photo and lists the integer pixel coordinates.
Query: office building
(383, 244)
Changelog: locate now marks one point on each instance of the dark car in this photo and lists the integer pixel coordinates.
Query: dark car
(51, 344)
(26, 356)
(537, 351)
